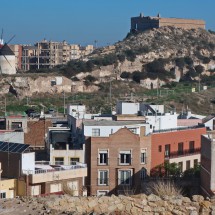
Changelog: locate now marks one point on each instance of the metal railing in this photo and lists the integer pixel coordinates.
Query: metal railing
(178, 129)
(183, 153)
(54, 168)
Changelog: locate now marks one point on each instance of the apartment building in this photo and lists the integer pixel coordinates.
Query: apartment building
(207, 164)
(48, 54)
(61, 148)
(179, 145)
(117, 155)
(39, 178)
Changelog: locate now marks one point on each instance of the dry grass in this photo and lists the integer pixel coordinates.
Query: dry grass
(163, 188)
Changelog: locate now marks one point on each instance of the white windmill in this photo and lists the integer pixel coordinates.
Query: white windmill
(7, 58)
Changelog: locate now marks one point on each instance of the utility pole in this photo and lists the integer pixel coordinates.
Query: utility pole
(5, 106)
(110, 95)
(64, 103)
(38, 58)
(199, 84)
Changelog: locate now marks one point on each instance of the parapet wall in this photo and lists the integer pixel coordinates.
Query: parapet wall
(182, 23)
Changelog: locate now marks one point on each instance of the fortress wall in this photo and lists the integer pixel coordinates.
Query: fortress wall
(182, 23)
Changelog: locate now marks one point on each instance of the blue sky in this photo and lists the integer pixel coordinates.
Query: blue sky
(84, 21)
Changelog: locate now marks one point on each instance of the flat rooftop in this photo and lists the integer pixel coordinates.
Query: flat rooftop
(112, 123)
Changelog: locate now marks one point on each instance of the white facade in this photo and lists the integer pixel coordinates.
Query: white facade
(8, 68)
(127, 107)
(184, 159)
(210, 124)
(77, 111)
(105, 131)
(166, 121)
(28, 162)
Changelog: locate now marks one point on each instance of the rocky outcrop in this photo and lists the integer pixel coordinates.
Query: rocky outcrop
(138, 204)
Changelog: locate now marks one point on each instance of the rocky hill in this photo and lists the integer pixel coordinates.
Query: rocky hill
(164, 54)
(124, 205)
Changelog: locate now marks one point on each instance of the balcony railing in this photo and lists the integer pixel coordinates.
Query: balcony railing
(179, 129)
(53, 167)
(183, 153)
(103, 181)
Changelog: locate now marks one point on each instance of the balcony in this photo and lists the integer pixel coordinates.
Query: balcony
(46, 172)
(182, 153)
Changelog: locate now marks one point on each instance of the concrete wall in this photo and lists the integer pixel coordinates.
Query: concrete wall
(166, 121)
(28, 162)
(127, 108)
(8, 68)
(105, 131)
(57, 175)
(207, 165)
(10, 136)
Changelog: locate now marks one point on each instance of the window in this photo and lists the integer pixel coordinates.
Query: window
(125, 177)
(196, 162)
(180, 148)
(187, 164)
(133, 130)
(74, 160)
(103, 157)
(59, 161)
(103, 177)
(191, 146)
(125, 158)
(167, 150)
(3, 195)
(95, 132)
(143, 174)
(143, 156)
(16, 125)
(160, 148)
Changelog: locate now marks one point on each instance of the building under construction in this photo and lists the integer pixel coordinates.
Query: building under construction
(48, 54)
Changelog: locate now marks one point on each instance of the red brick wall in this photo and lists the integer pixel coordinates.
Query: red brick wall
(121, 140)
(36, 132)
(173, 138)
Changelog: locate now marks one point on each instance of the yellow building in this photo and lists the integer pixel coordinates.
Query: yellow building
(7, 187)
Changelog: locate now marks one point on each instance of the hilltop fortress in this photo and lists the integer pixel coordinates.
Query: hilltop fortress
(142, 23)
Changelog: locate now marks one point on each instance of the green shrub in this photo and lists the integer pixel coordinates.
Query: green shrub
(180, 62)
(125, 75)
(121, 57)
(130, 55)
(206, 60)
(199, 69)
(188, 61)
